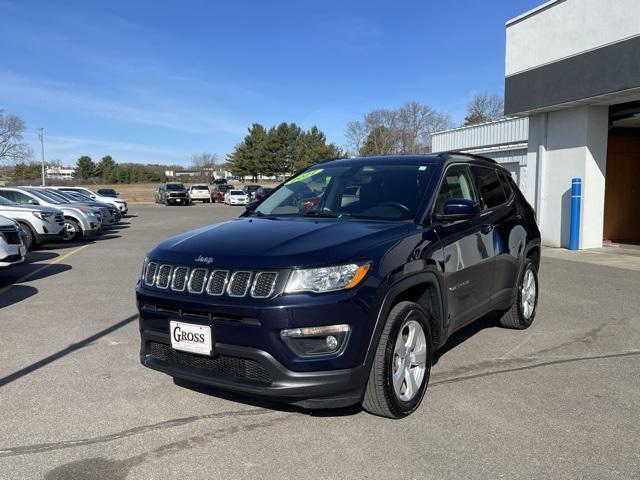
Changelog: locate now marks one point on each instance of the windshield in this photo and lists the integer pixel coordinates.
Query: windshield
(63, 197)
(376, 191)
(79, 197)
(174, 186)
(236, 192)
(4, 201)
(199, 187)
(107, 192)
(47, 198)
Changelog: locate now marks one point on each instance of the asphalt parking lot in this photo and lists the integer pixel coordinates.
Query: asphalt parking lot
(559, 400)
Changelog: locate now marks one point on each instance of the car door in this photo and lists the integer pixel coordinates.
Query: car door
(467, 251)
(508, 234)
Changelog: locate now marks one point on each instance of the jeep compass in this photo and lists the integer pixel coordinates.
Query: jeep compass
(339, 286)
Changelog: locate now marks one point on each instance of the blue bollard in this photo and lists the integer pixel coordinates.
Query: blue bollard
(576, 200)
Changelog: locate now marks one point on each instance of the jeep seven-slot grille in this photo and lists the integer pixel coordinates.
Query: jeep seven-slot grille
(214, 282)
(223, 365)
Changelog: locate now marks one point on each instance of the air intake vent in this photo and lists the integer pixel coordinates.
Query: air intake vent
(217, 282)
(264, 284)
(239, 284)
(150, 274)
(197, 280)
(179, 281)
(164, 274)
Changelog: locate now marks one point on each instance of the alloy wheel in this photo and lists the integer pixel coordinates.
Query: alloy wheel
(409, 360)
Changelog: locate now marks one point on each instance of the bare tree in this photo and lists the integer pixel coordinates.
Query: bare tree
(200, 161)
(396, 131)
(12, 149)
(484, 107)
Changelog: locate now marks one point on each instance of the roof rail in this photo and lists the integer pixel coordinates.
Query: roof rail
(468, 155)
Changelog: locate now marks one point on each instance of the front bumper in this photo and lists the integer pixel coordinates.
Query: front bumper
(178, 200)
(12, 255)
(268, 378)
(48, 237)
(249, 330)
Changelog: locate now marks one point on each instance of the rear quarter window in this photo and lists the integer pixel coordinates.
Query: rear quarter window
(489, 186)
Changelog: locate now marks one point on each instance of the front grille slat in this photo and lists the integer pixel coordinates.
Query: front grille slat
(264, 284)
(179, 280)
(150, 273)
(214, 282)
(223, 365)
(197, 280)
(239, 284)
(217, 282)
(163, 277)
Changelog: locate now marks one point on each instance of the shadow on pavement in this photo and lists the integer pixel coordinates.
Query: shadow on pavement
(465, 333)
(266, 403)
(65, 351)
(16, 294)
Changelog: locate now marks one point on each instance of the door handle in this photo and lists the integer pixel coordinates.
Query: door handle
(486, 228)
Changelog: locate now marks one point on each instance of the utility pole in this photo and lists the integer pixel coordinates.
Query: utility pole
(41, 136)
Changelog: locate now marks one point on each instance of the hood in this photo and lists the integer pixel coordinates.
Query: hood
(28, 208)
(7, 222)
(279, 243)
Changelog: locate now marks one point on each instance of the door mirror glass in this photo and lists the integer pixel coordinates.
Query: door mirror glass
(456, 209)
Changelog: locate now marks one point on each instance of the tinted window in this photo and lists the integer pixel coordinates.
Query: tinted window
(5, 201)
(506, 183)
(455, 184)
(175, 186)
(489, 186)
(16, 197)
(377, 191)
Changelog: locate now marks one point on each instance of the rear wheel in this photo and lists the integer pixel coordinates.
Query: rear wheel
(402, 364)
(523, 311)
(72, 231)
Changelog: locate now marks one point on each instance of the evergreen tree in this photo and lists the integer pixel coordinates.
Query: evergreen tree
(103, 167)
(312, 147)
(85, 168)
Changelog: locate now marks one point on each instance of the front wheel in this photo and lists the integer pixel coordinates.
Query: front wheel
(72, 231)
(523, 310)
(402, 364)
(28, 241)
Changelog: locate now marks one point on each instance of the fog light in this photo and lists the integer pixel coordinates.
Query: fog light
(316, 340)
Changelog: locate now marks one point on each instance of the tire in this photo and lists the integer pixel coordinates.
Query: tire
(521, 316)
(381, 396)
(29, 241)
(72, 231)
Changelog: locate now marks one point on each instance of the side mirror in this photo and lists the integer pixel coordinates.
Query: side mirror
(456, 209)
(33, 201)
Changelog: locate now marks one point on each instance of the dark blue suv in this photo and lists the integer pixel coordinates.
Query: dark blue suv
(340, 285)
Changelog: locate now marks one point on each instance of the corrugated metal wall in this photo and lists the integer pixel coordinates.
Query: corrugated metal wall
(492, 134)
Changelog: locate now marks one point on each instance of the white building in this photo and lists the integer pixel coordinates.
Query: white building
(59, 173)
(572, 71)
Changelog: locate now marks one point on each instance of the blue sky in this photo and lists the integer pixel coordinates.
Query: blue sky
(156, 81)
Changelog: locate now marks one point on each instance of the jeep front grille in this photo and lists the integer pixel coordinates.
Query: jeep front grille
(213, 282)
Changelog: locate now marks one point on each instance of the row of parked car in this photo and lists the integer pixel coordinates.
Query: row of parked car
(31, 216)
(175, 193)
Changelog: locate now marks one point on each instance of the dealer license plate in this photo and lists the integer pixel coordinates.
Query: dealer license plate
(189, 337)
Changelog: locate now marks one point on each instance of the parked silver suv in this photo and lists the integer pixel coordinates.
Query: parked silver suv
(12, 250)
(41, 224)
(79, 222)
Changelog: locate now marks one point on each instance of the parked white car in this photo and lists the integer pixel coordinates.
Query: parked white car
(200, 192)
(236, 197)
(117, 202)
(41, 224)
(12, 250)
(79, 221)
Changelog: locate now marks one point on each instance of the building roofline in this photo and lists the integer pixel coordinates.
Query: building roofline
(532, 12)
(475, 125)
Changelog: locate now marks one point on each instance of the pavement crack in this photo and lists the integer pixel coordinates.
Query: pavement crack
(530, 366)
(176, 422)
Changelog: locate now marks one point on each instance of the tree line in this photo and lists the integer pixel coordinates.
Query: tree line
(108, 171)
(280, 150)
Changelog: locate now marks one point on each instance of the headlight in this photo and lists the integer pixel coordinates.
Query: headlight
(42, 215)
(326, 279)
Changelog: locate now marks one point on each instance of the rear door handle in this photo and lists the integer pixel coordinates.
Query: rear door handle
(486, 228)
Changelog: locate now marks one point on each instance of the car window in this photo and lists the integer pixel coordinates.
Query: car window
(455, 184)
(489, 186)
(5, 201)
(373, 190)
(17, 197)
(506, 184)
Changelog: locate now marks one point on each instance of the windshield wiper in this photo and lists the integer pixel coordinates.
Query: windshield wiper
(313, 213)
